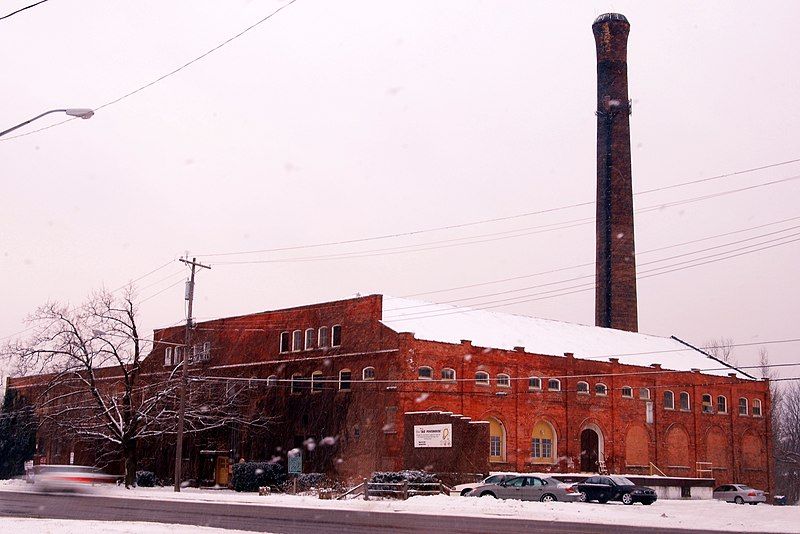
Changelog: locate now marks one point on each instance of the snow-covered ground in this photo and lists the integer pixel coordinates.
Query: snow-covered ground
(711, 515)
(64, 526)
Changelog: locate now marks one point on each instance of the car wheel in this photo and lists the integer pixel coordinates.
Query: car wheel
(627, 499)
(583, 497)
(738, 500)
(488, 494)
(465, 492)
(547, 497)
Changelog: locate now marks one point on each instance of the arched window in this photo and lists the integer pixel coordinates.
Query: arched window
(756, 408)
(323, 337)
(497, 440)
(285, 342)
(583, 388)
(503, 380)
(543, 443)
(534, 383)
(685, 405)
(294, 383)
(669, 400)
(708, 406)
(272, 380)
(310, 338)
(482, 378)
(368, 373)
(336, 335)
(448, 375)
(297, 340)
(425, 373)
(627, 392)
(743, 408)
(600, 389)
(554, 384)
(345, 378)
(316, 381)
(644, 393)
(722, 404)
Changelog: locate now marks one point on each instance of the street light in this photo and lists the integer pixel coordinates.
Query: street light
(83, 113)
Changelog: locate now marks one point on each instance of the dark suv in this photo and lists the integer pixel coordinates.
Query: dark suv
(614, 488)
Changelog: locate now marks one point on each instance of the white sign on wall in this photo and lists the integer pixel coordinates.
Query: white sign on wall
(433, 435)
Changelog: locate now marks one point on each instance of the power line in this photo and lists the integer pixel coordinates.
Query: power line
(22, 9)
(168, 74)
(587, 286)
(560, 269)
(491, 220)
(541, 229)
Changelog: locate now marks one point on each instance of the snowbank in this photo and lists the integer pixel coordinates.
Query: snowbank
(711, 515)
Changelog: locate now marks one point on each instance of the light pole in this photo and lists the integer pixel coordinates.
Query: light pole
(83, 113)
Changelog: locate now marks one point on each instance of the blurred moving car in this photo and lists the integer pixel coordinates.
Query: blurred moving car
(464, 489)
(529, 488)
(69, 477)
(614, 488)
(740, 494)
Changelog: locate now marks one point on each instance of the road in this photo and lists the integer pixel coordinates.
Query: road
(278, 519)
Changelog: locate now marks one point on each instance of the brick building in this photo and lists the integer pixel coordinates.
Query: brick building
(558, 397)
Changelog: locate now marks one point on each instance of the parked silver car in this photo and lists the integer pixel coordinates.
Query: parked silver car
(529, 488)
(464, 489)
(740, 494)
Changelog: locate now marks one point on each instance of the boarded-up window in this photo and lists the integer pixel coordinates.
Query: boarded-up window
(753, 454)
(717, 448)
(637, 446)
(676, 448)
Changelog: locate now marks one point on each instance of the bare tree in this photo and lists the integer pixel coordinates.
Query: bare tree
(721, 349)
(93, 389)
(787, 456)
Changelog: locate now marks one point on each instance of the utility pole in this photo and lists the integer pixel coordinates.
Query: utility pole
(185, 363)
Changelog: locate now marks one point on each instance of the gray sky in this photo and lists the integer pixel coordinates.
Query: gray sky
(341, 120)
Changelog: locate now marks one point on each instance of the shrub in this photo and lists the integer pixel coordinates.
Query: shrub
(249, 476)
(145, 479)
(400, 476)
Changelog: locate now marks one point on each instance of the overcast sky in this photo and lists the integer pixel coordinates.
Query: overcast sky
(335, 121)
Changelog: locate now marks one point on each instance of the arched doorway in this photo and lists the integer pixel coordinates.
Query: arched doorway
(591, 449)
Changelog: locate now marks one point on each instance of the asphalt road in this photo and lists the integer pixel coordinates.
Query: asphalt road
(281, 520)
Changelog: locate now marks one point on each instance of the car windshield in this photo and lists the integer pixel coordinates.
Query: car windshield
(622, 481)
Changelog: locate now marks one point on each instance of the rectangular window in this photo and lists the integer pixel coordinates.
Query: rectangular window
(207, 350)
(494, 446)
(297, 340)
(178, 355)
(345, 378)
(534, 383)
(310, 338)
(336, 330)
(536, 448)
(285, 347)
(547, 448)
(627, 392)
(324, 338)
(168, 356)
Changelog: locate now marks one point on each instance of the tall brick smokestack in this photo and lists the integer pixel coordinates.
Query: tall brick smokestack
(615, 278)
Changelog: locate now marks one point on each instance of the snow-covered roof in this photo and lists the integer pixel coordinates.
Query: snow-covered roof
(484, 328)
